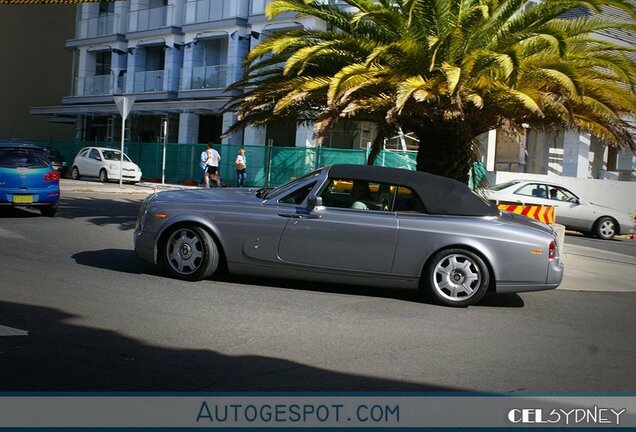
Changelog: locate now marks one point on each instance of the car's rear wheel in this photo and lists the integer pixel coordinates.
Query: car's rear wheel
(457, 277)
(605, 228)
(190, 253)
(103, 176)
(48, 211)
(75, 174)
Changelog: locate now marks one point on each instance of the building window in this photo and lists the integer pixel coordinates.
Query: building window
(106, 8)
(103, 63)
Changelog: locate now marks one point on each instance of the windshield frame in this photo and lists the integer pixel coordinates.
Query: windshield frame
(289, 186)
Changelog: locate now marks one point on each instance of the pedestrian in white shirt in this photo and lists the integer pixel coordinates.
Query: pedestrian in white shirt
(212, 166)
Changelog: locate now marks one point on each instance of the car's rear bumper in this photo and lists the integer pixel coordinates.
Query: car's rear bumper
(553, 280)
(38, 197)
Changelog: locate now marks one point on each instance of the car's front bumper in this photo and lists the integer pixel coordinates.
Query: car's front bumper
(145, 246)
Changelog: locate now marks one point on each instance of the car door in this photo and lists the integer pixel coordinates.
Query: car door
(340, 234)
(568, 209)
(93, 163)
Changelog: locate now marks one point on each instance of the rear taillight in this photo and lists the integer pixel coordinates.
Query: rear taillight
(52, 176)
(552, 251)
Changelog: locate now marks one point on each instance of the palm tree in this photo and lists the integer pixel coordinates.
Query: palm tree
(446, 70)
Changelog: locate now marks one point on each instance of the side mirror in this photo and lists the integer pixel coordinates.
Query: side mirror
(313, 202)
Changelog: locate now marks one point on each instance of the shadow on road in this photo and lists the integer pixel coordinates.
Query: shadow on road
(121, 260)
(61, 355)
(100, 211)
(125, 261)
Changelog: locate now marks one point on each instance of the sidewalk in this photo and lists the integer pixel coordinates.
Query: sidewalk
(589, 269)
(586, 269)
(95, 186)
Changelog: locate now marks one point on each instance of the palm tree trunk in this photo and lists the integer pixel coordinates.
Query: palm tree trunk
(446, 152)
(378, 145)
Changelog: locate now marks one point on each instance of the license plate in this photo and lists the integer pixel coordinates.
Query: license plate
(23, 199)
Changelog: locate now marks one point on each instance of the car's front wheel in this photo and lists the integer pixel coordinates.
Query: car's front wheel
(190, 253)
(457, 277)
(605, 228)
(75, 174)
(103, 176)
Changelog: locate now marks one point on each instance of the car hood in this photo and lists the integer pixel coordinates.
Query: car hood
(525, 221)
(208, 194)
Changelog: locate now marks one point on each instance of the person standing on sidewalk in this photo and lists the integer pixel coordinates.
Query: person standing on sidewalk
(212, 166)
(241, 167)
(203, 158)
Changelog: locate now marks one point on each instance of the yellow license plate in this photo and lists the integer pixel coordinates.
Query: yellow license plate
(23, 199)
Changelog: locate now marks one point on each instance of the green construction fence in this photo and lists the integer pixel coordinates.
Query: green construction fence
(266, 165)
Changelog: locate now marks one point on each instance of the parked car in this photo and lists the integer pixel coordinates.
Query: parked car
(56, 159)
(103, 163)
(352, 224)
(570, 209)
(27, 179)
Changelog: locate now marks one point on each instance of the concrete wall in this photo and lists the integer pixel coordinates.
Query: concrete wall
(616, 194)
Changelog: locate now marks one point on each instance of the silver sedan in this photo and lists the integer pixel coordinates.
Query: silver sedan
(572, 211)
(356, 225)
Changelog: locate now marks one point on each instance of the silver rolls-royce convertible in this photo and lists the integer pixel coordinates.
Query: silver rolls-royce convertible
(352, 224)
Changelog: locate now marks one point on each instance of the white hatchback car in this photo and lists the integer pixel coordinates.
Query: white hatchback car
(103, 163)
(570, 210)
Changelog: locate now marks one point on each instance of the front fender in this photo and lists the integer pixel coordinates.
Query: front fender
(168, 223)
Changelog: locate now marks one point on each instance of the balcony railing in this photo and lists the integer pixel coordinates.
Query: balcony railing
(149, 81)
(94, 85)
(200, 11)
(99, 26)
(208, 77)
(146, 19)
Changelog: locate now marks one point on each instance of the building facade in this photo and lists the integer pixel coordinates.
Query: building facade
(177, 57)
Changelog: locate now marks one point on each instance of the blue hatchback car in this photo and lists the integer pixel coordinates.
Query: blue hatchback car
(27, 178)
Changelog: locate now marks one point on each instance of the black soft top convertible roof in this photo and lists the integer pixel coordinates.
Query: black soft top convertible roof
(440, 195)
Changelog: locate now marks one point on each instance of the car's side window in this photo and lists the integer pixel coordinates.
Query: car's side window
(297, 196)
(358, 194)
(94, 154)
(533, 190)
(83, 153)
(407, 200)
(560, 194)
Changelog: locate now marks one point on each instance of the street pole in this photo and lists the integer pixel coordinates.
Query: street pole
(121, 160)
(165, 142)
(124, 105)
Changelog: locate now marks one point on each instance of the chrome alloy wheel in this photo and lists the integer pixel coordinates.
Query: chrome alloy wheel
(456, 277)
(607, 229)
(184, 251)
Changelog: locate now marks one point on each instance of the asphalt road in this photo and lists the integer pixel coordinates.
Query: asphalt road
(99, 319)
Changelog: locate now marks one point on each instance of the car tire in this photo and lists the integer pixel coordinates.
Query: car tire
(190, 253)
(48, 211)
(103, 176)
(456, 277)
(605, 228)
(75, 174)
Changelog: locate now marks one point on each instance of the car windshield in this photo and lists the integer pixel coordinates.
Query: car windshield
(114, 155)
(53, 152)
(287, 187)
(503, 185)
(21, 158)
